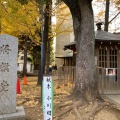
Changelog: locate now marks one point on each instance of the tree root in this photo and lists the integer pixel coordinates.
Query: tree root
(63, 116)
(57, 94)
(69, 97)
(77, 113)
(92, 112)
(74, 105)
(64, 105)
(63, 112)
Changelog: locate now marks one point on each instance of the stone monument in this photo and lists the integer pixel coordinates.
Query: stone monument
(8, 79)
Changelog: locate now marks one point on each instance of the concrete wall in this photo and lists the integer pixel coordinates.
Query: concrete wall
(64, 36)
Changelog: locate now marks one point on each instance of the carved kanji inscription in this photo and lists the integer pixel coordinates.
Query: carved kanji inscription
(5, 49)
(4, 67)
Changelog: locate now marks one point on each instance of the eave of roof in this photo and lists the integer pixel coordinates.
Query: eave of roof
(71, 44)
(63, 56)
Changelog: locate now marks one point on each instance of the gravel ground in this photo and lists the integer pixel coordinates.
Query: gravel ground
(30, 100)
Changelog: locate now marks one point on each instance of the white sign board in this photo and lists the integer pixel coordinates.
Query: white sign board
(47, 97)
(95, 60)
(110, 72)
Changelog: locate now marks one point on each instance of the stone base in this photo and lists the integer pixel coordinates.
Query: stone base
(19, 115)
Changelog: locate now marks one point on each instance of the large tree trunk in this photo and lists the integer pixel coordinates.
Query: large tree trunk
(83, 24)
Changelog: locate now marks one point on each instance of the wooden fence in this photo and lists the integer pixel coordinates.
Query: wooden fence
(108, 83)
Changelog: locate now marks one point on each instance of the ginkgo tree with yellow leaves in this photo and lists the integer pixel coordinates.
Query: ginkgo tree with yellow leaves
(21, 20)
(18, 19)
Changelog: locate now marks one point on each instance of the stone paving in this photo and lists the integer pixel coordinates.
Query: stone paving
(113, 99)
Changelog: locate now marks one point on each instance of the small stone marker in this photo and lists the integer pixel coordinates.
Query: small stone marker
(47, 97)
(8, 78)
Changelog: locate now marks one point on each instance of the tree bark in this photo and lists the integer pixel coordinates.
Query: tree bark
(48, 56)
(46, 29)
(83, 24)
(0, 23)
(46, 35)
(45, 39)
(25, 58)
(107, 15)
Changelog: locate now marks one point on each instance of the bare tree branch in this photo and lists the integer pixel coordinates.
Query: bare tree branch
(113, 18)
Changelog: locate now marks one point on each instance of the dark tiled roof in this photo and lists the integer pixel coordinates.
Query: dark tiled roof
(101, 36)
(106, 36)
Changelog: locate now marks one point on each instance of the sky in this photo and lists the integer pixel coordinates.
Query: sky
(98, 7)
(99, 16)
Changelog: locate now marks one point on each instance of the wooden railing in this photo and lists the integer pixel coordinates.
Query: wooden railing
(67, 76)
(107, 83)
